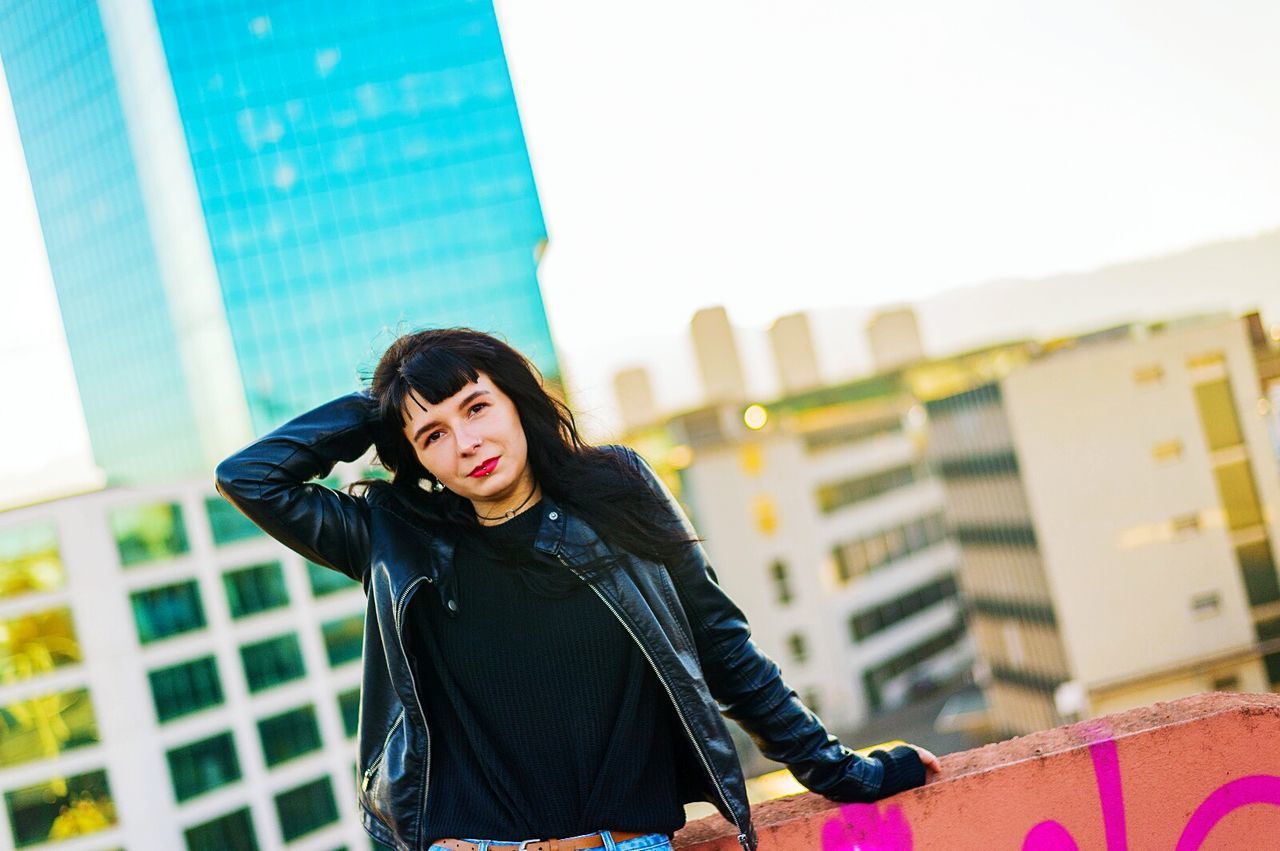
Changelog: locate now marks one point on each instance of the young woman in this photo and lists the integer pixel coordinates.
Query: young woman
(547, 652)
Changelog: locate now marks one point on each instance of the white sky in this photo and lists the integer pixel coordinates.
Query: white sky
(782, 156)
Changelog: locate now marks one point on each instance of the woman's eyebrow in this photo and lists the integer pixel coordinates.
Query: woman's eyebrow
(461, 405)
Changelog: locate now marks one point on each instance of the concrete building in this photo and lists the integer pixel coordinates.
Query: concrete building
(172, 678)
(634, 393)
(716, 352)
(794, 354)
(825, 525)
(894, 338)
(1116, 505)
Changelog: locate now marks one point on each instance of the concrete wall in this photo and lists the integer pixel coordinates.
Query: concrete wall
(1199, 773)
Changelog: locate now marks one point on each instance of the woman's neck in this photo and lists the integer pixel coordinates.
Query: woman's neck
(500, 511)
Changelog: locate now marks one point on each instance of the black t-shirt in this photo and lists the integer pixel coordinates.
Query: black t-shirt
(546, 719)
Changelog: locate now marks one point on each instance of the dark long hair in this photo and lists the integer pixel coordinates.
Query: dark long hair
(597, 485)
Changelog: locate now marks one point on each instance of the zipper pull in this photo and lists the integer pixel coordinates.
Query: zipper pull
(742, 840)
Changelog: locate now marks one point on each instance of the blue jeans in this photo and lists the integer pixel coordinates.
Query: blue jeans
(648, 842)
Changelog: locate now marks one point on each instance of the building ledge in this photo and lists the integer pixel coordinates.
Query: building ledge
(1178, 776)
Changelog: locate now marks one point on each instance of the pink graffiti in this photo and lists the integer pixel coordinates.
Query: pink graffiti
(1255, 789)
(1052, 836)
(862, 827)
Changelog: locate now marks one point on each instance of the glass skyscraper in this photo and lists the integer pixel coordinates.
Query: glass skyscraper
(244, 203)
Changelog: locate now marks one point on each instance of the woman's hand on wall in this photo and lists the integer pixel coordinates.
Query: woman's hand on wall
(932, 764)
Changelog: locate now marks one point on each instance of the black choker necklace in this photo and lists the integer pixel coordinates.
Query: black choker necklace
(507, 515)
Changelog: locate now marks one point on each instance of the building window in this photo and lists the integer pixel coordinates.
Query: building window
(1012, 610)
(349, 707)
(751, 459)
(764, 512)
(1270, 631)
(1231, 682)
(227, 523)
(1258, 568)
(1206, 605)
(185, 688)
(254, 589)
(798, 647)
(979, 465)
(36, 643)
(885, 547)
(1218, 417)
(45, 726)
(781, 583)
(996, 536)
(849, 433)
(885, 615)
(836, 495)
(149, 532)
(60, 808)
(1239, 495)
(875, 679)
(306, 808)
(232, 832)
(272, 662)
(167, 611)
(289, 734)
(29, 560)
(1151, 374)
(1206, 359)
(326, 580)
(343, 639)
(203, 765)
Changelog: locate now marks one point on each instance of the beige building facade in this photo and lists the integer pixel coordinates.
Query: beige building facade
(1116, 502)
(826, 527)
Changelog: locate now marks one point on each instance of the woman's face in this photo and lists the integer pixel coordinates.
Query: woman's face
(472, 442)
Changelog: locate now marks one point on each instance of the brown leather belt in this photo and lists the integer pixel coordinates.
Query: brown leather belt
(591, 840)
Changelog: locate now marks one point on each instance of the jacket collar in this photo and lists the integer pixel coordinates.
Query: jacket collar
(559, 532)
(567, 536)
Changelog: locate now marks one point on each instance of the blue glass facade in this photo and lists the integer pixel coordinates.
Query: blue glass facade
(101, 255)
(360, 169)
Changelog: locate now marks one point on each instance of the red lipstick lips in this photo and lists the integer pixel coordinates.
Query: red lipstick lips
(484, 469)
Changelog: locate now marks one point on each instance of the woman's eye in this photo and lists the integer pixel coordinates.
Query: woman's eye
(431, 438)
(478, 405)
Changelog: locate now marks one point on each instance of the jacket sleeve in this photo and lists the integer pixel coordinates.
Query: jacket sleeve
(268, 481)
(748, 684)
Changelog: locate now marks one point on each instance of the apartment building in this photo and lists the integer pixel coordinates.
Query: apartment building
(1115, 502)
(172, 678)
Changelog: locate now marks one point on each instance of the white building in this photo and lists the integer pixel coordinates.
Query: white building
(1116, 503)
(827, 529)
(172, 678)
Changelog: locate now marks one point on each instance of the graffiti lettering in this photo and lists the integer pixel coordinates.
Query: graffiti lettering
(863, 827)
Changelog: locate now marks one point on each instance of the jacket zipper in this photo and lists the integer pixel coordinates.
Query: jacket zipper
(368, 772)
(742, 836)
(399, 612)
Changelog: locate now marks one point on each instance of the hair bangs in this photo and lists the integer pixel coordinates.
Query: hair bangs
(435, 373)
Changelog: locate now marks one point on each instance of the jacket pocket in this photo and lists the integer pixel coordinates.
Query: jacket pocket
(369, 785)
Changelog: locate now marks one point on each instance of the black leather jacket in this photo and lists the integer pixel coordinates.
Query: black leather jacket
(690, 631)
